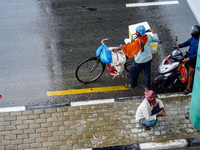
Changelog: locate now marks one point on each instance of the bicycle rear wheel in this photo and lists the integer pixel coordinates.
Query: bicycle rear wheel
(128, 64)
(89, 70)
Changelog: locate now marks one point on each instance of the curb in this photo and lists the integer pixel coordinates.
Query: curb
(69, 104)
(170, 144)
(91, 102)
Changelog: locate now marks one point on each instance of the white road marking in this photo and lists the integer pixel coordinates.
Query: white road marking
(9, 109)
(152, 4)
(180, 143)
(172, 95)
(92, 102)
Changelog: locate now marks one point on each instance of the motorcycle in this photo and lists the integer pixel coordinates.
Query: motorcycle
(172, 73)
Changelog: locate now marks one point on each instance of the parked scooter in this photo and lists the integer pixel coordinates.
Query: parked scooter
(172, 73)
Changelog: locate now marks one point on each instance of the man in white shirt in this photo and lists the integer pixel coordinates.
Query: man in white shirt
(149, 110)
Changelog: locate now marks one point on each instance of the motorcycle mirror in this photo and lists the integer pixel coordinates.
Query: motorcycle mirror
(176, 40)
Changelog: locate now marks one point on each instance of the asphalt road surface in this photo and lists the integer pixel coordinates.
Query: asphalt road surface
(42, 42)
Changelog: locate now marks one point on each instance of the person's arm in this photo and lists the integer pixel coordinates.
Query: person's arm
(116, 49)
(160, 104)
(154, 38)
(184, 44)
(162, 113)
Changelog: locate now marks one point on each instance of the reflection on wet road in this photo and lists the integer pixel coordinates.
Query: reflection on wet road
(42, 43)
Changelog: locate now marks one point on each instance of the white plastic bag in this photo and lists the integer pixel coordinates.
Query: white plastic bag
(117, 66)
(118, 57)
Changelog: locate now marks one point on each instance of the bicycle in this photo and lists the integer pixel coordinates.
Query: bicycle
(91, 69)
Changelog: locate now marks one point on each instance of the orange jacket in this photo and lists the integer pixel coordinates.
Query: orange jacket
(133, 48)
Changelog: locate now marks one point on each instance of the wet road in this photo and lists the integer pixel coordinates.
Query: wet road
(42, 42)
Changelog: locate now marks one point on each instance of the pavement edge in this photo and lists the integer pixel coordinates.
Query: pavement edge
(178, 143)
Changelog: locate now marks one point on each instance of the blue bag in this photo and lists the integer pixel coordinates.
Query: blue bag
(105, 54)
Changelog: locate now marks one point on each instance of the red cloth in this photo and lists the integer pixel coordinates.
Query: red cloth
(133, 48)
(112, 69)
(148, 94)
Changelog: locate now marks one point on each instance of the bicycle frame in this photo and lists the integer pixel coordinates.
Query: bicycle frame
(91, 69)
(95, 65)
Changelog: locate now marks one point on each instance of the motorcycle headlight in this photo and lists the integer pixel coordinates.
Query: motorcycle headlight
(162, 69)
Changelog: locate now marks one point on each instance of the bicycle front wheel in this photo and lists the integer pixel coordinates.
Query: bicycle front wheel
(89, 70)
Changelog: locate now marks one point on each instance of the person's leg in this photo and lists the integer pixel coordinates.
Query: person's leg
(156, 110)
(147, 73)
(146, 123)
(134, 74)
(190, 80)
(190, 77)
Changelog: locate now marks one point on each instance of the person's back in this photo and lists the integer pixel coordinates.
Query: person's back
(141, 50)
(142, 57)
(193, 43)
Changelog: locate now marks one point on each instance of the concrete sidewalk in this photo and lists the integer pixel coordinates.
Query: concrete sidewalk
(94, 126)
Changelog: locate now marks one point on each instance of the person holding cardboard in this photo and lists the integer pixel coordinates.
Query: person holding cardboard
(140, 49)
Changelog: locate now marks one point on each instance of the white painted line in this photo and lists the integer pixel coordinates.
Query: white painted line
(180, 143)
(152, 4)
(92, 102)
(172, 95)
(9, 109)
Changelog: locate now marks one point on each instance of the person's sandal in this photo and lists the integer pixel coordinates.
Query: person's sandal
(186, 91)
(128, 85)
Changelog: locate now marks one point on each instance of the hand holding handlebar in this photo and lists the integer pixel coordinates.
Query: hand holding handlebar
(185, 60)
(176, 46)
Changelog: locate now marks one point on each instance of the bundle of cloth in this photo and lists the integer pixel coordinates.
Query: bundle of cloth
(117, 66)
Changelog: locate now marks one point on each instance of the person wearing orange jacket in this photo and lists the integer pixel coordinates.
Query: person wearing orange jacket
(140, 49)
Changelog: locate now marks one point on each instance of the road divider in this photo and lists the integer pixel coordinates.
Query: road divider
(88, 90)
(152, 4)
